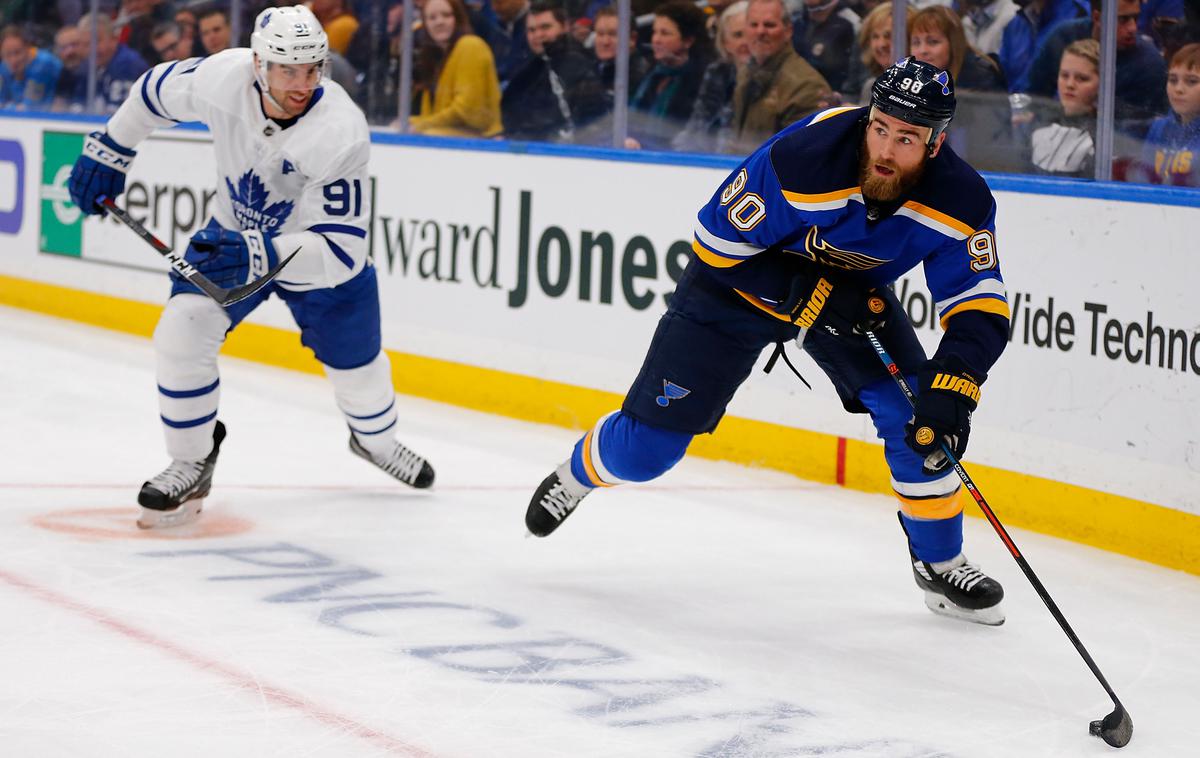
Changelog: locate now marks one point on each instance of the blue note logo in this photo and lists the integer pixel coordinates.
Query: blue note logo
(943, 79)
(671, 391)
(250, 208)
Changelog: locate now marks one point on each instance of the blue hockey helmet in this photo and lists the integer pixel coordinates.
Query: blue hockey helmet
(916, 93)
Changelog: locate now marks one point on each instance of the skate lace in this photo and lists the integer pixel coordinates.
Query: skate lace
(558, 501)
(403, 464)
(964, 577)
(178, 477)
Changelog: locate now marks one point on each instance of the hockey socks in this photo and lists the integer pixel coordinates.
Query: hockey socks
(621, 449)
(616, 450)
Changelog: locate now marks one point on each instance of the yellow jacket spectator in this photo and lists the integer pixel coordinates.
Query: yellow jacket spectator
(339, 23)
(455, 76)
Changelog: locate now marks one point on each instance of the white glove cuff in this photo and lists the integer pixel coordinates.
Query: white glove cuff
(102, 153)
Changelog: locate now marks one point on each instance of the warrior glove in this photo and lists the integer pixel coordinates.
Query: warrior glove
(948, 393)
(99, 172)
(229, 258)
(817, 298)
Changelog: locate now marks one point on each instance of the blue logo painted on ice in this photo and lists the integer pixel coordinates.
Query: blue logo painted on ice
(250, 209)
(12, 186)
(671, 391)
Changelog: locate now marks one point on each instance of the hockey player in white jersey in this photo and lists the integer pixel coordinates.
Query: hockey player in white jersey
(291, 158)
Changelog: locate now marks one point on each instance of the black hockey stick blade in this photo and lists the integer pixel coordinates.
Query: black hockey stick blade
(223, 297)
(1116, 728)
(249, 288)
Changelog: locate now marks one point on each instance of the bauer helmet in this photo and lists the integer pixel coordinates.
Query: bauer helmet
(289, 35)
(916, 93)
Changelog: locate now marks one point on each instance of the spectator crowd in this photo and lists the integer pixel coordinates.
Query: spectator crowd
(718, 76)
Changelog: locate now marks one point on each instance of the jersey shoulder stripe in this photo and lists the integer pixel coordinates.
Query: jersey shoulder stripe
(823, 201)
(821, 157)
(952, 197)
(936, 220)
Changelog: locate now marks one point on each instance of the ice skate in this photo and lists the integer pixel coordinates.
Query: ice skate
(555, 499)
(399, 463)
(176, 496)
(960, 590)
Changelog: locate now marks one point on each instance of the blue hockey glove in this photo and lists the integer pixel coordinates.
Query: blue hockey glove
(818, 298)
(99, 172)
(229, 258)
(948, 393)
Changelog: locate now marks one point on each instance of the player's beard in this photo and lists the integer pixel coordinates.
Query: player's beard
(885, 189)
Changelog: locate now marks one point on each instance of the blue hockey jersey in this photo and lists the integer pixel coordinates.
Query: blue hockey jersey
(797, 198)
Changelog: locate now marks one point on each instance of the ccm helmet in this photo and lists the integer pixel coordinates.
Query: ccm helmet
(290, 35)
(916, 93)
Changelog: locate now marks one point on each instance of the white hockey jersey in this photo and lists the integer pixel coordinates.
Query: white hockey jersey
(306, 184)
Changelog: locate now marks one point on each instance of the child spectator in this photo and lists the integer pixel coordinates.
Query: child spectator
(1067, 145)
(455, 76)
(1141, 70)
(1171, 148)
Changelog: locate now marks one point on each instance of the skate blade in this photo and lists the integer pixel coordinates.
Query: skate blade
(186, 513)
(993, 616)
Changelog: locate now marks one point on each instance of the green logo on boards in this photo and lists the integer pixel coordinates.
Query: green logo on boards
(62, 221)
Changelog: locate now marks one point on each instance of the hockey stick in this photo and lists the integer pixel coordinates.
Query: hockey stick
(1117, 727)
(223, 297)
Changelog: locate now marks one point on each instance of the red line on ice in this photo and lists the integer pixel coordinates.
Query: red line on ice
(239, 679)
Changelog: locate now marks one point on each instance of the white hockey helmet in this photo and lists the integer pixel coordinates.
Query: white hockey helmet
(289, 35)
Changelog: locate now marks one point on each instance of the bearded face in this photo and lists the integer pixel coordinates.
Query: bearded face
(882, 179)
(892, 156)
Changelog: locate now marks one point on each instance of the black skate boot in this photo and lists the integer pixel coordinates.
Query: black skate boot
(960, 590)
(556, 497)
(400, 463)
(176, 496)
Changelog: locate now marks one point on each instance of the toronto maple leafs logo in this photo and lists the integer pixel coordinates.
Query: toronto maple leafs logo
(249, 199)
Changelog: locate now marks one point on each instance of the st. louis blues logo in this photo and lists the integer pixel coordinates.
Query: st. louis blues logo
(671, 391)
(250, 209)
(943, 79)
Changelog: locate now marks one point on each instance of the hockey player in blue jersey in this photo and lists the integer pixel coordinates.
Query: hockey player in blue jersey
(291, 153)
(807, 234)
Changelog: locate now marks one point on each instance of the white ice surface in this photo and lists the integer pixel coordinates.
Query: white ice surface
(721, 611)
